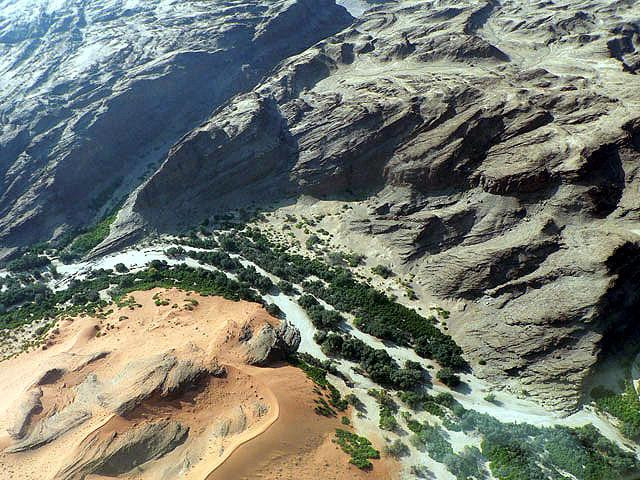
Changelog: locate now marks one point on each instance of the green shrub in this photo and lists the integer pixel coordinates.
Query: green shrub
(312, 241)
(274, 310)
(490, 397)
(287, 287)
(447, 376)
(624, 406)
(396, 449)
(359, 448)
(383, 271)
(87, 241)
(27, 262)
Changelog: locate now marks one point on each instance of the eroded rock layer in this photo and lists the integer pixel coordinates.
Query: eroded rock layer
(498, 145)
(92, 94)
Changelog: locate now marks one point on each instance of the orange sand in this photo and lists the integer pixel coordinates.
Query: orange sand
(289, 441)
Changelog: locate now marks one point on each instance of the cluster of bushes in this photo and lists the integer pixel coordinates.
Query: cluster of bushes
(175, 252)
(388, 408)
(274, 310)
(321, 318)
(17, 293)
(464, 465)
(447, 376)
(376, 363)
(317, 370)
(28, 261)
(396, 449)
(196, 242)
(424, 401)
(47, 304)
(383, 271)
(359, 448)
(205, 282)
(526, 452)
(341, 258)
(87, 241)
(312, 241)
(250, 275)
(520, 451)
(83, 295)
(287, 288)
(378, 315)
(375, 312)
(624, 406)
(225, 262)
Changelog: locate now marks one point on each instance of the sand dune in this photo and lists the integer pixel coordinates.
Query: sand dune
(160, 388)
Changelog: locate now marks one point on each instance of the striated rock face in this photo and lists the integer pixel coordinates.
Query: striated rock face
(163, 375)
(92, 94)
(498, 145)
(118, 453)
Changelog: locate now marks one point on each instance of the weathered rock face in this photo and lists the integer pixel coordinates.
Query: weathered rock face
(271, 344)
(163, 375)
(498, 145)
(92, 94)
(118, 453)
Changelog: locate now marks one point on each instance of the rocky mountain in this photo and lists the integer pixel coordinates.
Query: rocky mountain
(496, 146)
(93, 93)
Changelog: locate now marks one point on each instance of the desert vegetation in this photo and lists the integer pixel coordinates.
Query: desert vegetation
(625, 406)
(359, 448)
(375, 312)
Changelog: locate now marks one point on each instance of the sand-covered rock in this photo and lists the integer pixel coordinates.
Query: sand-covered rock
(115, 454)
(172, 398)
(29, 404)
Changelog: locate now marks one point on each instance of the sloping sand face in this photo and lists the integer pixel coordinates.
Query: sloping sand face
(155, 389)
(160, 388)
(298, 445)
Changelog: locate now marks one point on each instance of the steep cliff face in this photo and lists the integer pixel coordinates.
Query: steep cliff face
(497, 144)
(93, 93)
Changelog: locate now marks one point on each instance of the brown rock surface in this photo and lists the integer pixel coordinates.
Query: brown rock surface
(497, 145)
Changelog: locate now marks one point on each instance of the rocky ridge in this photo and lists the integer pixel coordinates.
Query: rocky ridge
(93, 93)
(497, 146)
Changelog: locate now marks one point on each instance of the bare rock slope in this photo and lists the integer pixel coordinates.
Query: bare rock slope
(93, 93)
(498, 145)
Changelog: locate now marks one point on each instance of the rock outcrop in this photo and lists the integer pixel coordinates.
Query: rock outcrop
(271, 344)
(497, 146)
